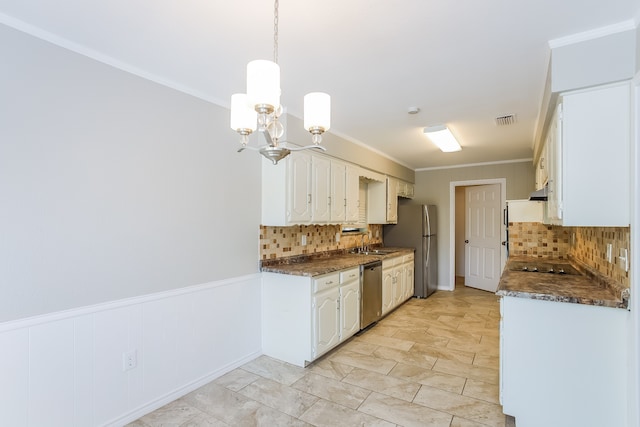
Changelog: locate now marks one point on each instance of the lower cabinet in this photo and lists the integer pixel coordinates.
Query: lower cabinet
(397, 286)
(563, 364)
(304, 317)
(326, 320)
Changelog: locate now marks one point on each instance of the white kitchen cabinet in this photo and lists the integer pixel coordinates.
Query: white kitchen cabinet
(352, 194)
(408, 280)
(326, 320)
(349, 303)
(320, 190)
(382, 202)
(563, 364)
(304, 317)
(338, 196)
(588, 150)
(405, 189)
(309, 188)
(394, 291)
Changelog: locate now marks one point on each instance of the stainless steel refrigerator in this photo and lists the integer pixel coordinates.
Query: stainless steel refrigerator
(416, 228)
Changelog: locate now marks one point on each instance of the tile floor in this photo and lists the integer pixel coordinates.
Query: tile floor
(432, 362)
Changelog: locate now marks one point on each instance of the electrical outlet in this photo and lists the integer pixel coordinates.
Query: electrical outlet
(338, 237)
(623, 259)
(129, 360)
(609, 252)
(303, 240)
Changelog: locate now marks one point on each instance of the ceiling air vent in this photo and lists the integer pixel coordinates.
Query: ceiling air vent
(506, 120)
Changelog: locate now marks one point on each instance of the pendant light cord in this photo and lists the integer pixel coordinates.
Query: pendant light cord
(275, 31)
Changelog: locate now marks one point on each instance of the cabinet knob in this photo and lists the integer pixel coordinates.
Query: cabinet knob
(466, 241)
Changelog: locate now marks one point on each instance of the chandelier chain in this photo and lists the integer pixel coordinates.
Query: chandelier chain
(275, 31)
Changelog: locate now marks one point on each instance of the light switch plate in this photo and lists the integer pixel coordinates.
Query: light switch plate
(609, 252)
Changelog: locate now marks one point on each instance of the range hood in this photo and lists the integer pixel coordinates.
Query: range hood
(540, 194)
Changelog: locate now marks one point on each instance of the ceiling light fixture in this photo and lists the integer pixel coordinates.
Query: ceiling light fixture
(443, 138)
(260, 107)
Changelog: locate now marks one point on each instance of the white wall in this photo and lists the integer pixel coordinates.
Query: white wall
(433, 186)
(113, 186)
(127, 222)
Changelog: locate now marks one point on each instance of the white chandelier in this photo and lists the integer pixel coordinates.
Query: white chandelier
(260, 107)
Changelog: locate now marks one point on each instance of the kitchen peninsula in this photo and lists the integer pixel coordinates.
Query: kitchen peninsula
(562, 344)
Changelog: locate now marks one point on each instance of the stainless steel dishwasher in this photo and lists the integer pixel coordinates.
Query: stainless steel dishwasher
(370, 293)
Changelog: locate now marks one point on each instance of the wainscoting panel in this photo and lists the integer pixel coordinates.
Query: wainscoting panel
(68, 368)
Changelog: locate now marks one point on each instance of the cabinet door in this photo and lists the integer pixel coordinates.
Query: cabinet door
(408, 280)
(326, 320)
(321, 187)
(387, 290)
(397, 284)
(554, 170)
(352, 194)
(299, 185)
(392, 200)
(338, 195)
(349, 309)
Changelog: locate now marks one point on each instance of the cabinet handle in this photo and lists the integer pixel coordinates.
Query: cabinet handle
(329, 200)
(309, 198)
(345, 202)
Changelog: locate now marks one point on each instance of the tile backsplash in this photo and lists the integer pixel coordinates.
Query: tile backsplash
(278, 242)
(586, 244)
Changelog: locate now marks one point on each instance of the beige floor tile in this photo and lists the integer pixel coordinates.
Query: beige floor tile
(275, 370)
(484, 348)
(384, 384)
(411, 357)
(445, 353)
(421, 336)
(357, 346)
(455, 334)
(380, 329)
(480, 373)
(463, 422)
(461, 406)
(237, 379)
(175, 413)
(330, 369)
(487, 361)
(428, 377)
(385, 341)
(328, 414)
(482, 391)
(203, 420)
(278, 396)
(364, 361)
(341, 392)
(404, 413)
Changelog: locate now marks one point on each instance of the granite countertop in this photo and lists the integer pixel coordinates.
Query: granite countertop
(587, 287)
(327, 262)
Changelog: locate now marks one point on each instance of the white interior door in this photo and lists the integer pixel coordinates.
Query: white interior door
(482, 237)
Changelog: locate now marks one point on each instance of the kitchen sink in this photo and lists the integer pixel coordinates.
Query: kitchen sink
(361, 251)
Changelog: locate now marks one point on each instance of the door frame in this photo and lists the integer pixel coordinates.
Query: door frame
(452, 221)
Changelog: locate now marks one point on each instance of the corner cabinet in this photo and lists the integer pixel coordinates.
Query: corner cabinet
(309, 188)
(304, 317)
(588, 150)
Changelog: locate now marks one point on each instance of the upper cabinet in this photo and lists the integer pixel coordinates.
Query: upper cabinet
(309, 188)
(588, 152)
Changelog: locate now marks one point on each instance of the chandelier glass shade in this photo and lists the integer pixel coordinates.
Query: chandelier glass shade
(260, 108)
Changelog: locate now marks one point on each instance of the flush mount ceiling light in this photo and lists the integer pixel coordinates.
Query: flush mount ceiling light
(260, 107)
(443, 138)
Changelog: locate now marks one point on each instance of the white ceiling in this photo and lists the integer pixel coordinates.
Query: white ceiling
(463, 63)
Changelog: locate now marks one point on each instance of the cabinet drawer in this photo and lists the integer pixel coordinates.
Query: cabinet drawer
(350, 275)
(326, 282)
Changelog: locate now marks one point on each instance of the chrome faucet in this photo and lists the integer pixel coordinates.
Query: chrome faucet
(364, 248)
